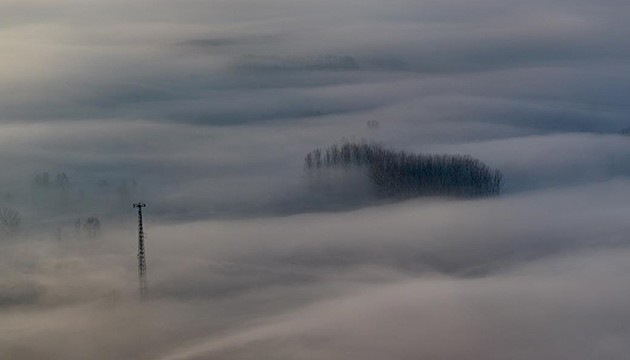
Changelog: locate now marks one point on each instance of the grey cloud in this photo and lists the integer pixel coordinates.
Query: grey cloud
(239, 288)
(490, 318)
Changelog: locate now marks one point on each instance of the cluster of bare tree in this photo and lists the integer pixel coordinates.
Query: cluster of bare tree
(90, 226)
(10, 220)
(373, 124)
(401, 174)
(46, 181)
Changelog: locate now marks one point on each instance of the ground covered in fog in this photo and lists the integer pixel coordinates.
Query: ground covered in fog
(205, 110)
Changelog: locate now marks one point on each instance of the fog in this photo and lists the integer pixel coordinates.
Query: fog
(205, 110)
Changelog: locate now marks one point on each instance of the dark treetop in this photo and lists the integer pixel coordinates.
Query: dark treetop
(401, 174)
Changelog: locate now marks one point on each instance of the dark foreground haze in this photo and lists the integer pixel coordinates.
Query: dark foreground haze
(205, 110)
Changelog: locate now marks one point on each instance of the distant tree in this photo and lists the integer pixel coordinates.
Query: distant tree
(92, 226)
(308, 161)
(401, 174)
(45, 181)
(42, 180)
(78, 225)
(62, 181)
(497, 181)
(10, 220)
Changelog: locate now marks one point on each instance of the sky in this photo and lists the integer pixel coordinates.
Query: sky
(205, 110)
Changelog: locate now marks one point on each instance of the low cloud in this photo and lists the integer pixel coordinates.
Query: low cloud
(205, 111)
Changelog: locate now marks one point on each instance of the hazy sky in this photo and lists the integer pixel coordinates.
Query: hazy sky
(205, 110)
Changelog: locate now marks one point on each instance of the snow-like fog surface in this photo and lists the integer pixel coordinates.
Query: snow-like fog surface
(205, 110)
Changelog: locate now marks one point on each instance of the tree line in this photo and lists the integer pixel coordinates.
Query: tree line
(402, 174)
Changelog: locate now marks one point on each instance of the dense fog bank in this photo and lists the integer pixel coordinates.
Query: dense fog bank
(205, 110)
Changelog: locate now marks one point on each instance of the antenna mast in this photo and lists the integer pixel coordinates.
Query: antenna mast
(142, 262)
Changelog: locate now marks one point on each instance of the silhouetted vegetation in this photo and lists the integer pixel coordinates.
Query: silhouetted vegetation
(10, 220)
(45, 181)
(401, 174)
(91, 227)
(373, 124)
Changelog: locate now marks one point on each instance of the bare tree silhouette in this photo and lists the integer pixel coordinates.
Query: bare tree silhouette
(92, 226)
(401, 174)
(10, 220)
